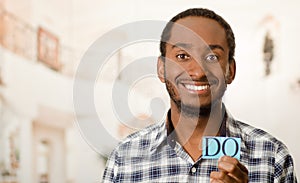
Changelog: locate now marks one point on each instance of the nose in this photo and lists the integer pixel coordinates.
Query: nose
(196, 69)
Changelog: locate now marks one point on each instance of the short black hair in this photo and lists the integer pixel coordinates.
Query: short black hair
(198, 12)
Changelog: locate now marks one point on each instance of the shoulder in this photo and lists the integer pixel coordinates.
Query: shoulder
(142, 141)
(249, 132)
(257, 140)
(262, 151)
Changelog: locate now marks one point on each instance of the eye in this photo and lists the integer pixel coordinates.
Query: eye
(182, 57)
(212, 58)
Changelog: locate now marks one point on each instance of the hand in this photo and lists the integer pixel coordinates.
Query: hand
(230, 171)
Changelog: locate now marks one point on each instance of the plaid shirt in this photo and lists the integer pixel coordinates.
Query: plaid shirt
(150, 156)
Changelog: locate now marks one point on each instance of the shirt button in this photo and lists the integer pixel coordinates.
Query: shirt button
(194, 170)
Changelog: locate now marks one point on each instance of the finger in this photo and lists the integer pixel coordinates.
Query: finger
(221, 177)
(234, 161)
(231, 170)
(215, 181)
(232, 167)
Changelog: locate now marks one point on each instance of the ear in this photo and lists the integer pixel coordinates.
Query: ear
(231, 72)
(161, 69)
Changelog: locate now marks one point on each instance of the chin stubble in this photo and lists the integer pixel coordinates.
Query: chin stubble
(187, 110)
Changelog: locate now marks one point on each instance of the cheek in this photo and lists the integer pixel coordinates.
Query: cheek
(218, 70)
(172, 70)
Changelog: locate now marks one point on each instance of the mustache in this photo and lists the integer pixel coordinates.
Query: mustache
(202, 79)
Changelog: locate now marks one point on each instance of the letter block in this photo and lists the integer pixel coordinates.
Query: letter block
(215, 147)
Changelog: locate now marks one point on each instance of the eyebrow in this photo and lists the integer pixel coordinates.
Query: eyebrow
(182, 45)
(216, 46)
(189, 45)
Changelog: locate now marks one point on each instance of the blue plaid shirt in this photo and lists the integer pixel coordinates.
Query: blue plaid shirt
(150, 156)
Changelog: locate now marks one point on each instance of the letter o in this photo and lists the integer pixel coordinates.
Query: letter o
(236, 147)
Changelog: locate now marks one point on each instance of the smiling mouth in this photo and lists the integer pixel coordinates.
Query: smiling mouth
(196, 88)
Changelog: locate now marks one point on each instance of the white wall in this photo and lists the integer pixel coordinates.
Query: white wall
(28, 87)
(85, 165)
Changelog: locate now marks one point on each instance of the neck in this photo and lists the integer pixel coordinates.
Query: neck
(190, 130)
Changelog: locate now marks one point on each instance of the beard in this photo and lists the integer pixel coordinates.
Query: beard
(190, 110)
(187, 110)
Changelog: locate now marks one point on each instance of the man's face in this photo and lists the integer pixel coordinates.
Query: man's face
(196, 69)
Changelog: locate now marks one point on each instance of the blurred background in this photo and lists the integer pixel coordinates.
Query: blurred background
(42, 43)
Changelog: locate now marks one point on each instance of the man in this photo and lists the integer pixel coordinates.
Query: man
(196, 64)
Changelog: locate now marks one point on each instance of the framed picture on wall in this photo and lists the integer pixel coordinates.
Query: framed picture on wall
(48, 49)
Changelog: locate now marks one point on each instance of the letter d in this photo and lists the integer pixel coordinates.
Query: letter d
(209, 146)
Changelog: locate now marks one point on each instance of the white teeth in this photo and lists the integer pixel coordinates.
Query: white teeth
(194, 87)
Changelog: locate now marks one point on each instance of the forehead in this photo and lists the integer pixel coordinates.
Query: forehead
(198, 31)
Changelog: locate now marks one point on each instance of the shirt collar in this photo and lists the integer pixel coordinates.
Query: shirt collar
(171, 137)
(228, 128)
